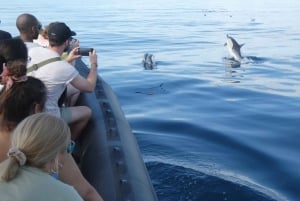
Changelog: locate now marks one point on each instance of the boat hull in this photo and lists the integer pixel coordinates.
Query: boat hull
(108, 153)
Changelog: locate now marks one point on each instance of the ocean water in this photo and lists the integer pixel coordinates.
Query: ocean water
(207, 131)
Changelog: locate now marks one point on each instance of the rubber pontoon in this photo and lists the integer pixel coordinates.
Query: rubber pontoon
(109, 156)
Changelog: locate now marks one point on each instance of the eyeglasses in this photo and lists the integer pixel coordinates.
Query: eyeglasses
(71, 147)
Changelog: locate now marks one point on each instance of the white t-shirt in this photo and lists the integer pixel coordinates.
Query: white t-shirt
(30, 45)
(34, 184)
(55, 75)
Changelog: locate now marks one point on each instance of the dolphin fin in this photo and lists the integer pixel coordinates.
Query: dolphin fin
(241, 45)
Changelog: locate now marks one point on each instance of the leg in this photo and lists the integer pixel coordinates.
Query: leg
(72, 95)
(77, 117)
(70, 174)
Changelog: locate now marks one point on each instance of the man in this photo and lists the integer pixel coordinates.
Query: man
(58, 74)
(29, 28)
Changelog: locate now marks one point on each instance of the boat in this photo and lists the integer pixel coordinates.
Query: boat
(107, 152)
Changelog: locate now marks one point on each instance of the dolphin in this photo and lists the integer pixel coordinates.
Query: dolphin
(234, 48)
(149, 61)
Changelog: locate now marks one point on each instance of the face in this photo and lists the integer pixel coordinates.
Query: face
(67, 45)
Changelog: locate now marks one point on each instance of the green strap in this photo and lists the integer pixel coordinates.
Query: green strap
(38, 65)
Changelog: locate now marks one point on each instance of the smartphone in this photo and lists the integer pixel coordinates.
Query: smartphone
(84, 51)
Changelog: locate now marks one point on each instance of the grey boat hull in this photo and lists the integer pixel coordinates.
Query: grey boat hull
(109, 156)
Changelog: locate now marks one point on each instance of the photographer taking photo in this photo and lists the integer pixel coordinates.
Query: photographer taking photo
(57, 74)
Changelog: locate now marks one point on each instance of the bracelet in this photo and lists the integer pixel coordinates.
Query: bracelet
(95, 65)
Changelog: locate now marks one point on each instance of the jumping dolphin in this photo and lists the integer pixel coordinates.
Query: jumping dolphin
(234, 48)
(149, 61)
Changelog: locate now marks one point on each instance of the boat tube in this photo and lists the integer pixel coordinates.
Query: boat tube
(107, 151)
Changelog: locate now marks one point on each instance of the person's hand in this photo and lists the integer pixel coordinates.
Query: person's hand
(73, 55)
(93, 58)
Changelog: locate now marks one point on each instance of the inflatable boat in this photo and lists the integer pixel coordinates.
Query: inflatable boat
(107, 153)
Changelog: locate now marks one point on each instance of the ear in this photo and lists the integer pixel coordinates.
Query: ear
(33, 30)
(37, 108)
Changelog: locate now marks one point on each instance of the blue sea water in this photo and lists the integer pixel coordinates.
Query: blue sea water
(207, 131)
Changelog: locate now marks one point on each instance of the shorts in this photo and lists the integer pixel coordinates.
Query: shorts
(66, 114)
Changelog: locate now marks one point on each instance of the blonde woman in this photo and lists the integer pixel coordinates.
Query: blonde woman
(38, 145)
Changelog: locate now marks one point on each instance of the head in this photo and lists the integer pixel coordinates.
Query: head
(4, 35)
(44, 33)
(59, 34)
(21, 100)
(28, 26)
(13, 51)
(41, 138)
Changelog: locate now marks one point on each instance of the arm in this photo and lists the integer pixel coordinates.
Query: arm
(88, 84)
(70, 174)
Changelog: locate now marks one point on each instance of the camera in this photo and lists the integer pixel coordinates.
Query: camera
(84, 51)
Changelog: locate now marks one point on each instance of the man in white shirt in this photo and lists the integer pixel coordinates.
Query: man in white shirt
(57, 74)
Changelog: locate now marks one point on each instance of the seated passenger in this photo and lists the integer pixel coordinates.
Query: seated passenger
(58, 74)
(24, 175)
(29, 28)
(24, 97)
(42, 39)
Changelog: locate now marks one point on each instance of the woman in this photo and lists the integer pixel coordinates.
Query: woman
(24, 98)
(25, 174)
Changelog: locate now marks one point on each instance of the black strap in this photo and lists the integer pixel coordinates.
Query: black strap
(38, 65)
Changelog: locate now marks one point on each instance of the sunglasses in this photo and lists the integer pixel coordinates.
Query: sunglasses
(71, 147)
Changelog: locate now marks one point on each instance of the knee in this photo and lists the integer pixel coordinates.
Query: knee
(87, 112)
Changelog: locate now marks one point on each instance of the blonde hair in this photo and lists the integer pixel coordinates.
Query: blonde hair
(40, 137)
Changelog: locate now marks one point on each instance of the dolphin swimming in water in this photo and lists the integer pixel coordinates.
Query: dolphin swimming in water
(149, 61)
(234, 48)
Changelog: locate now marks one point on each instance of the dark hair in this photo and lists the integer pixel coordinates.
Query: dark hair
(25, 22)
(4, 35)
(13, 50)
(20, 100)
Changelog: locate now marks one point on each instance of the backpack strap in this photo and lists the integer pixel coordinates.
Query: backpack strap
(38, 65)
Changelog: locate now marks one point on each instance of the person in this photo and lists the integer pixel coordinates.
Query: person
(25, 98)
(59, 74)
(42, 39)
(8, 53)
(29, 28)
(5, 35)
(31, 158)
